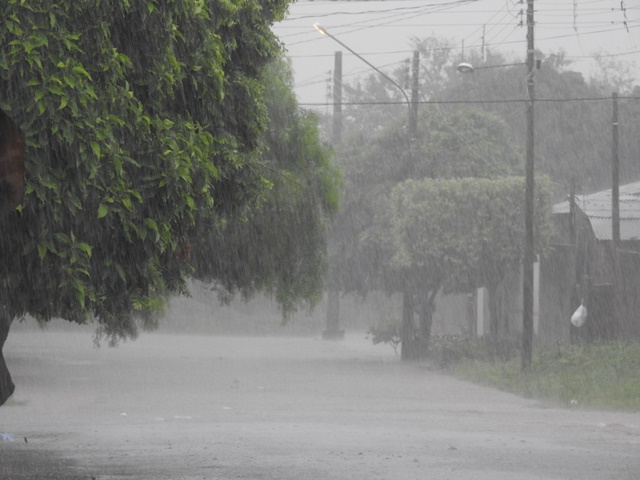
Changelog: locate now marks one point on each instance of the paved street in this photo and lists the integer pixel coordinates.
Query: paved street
(186, 407)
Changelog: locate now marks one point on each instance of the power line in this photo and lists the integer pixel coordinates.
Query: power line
(473, 102)
(390, 10)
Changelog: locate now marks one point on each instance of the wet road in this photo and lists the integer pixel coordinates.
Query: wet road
(183, 407)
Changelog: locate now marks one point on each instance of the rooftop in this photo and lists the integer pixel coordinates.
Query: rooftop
(597, 207)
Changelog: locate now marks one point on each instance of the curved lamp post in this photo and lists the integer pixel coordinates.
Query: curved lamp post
(324, 31)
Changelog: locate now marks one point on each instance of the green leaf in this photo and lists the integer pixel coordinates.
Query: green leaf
(95, 146)
(86, 248)
(121, 273)
(151, 223)
(80, 292)
(55, 89)
(42, 251)
(102, 210)
(79, 69)
(62, 237)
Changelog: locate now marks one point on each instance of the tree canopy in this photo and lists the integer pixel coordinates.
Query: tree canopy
(158, 150)
(450, 144)
(278, 246)
(456, 143)
(573, 114)
(468, 230)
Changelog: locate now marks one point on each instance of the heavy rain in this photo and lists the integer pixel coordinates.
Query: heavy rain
(319, 240)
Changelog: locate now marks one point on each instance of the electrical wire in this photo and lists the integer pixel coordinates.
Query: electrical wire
(474, 102)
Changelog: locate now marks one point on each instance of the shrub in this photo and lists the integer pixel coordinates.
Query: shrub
(387, 332)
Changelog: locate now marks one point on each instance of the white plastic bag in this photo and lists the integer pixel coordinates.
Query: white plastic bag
(579, 316)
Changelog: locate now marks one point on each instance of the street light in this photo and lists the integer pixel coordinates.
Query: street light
(529, 241)
(465, 67)
(323, 31)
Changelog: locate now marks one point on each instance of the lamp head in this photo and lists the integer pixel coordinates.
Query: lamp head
(320, 28)
(465, 67)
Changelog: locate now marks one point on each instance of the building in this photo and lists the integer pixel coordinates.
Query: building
(581, 265)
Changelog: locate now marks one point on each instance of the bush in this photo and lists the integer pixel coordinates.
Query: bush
(387, 332)
(447, 350)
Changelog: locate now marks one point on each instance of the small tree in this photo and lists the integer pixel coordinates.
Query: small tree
(388, 332)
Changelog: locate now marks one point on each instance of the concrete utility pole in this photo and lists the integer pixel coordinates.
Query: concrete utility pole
(415, 85)
(527, 268)
(337, 99)
(332, 330)
(615, 176)
(615, 219)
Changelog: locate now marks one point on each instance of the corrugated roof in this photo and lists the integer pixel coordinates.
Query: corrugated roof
(597, 207)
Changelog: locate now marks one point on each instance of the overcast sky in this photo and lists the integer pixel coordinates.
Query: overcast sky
(381, 31)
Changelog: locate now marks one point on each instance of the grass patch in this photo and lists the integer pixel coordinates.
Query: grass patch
(591, 376)
(12, 402)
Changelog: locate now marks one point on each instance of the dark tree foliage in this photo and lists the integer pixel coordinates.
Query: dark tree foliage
(11, 165)
(279, 245)
(148, 160)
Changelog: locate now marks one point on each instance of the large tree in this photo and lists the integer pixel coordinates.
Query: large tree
(469, 230)
(450, 143)
(145, 124)
(278, 245)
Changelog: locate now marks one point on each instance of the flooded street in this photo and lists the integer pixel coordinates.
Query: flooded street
(186, 407)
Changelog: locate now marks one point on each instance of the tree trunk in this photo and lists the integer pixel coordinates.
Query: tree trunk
(6, 385)
(332, 331)
(425, 320)
(409, 348)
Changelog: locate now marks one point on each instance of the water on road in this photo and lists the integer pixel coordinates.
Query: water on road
(178, 407)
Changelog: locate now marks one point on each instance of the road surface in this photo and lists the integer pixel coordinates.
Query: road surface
(184, 408)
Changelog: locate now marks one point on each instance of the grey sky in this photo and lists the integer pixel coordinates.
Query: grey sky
(382, 30)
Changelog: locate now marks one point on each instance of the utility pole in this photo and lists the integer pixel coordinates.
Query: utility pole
(415, 84)
(615, 219)
(332, 330)
(572, 211)
(527, 269)
(337, 99)
(615, 177)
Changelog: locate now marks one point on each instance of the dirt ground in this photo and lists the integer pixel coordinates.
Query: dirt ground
(184, 408)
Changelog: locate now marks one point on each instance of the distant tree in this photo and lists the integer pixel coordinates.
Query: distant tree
(375, 103)
(612, 74)
(469, 230)
(449, 144)
(573, 114)
(145, 125)
(436, 57)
